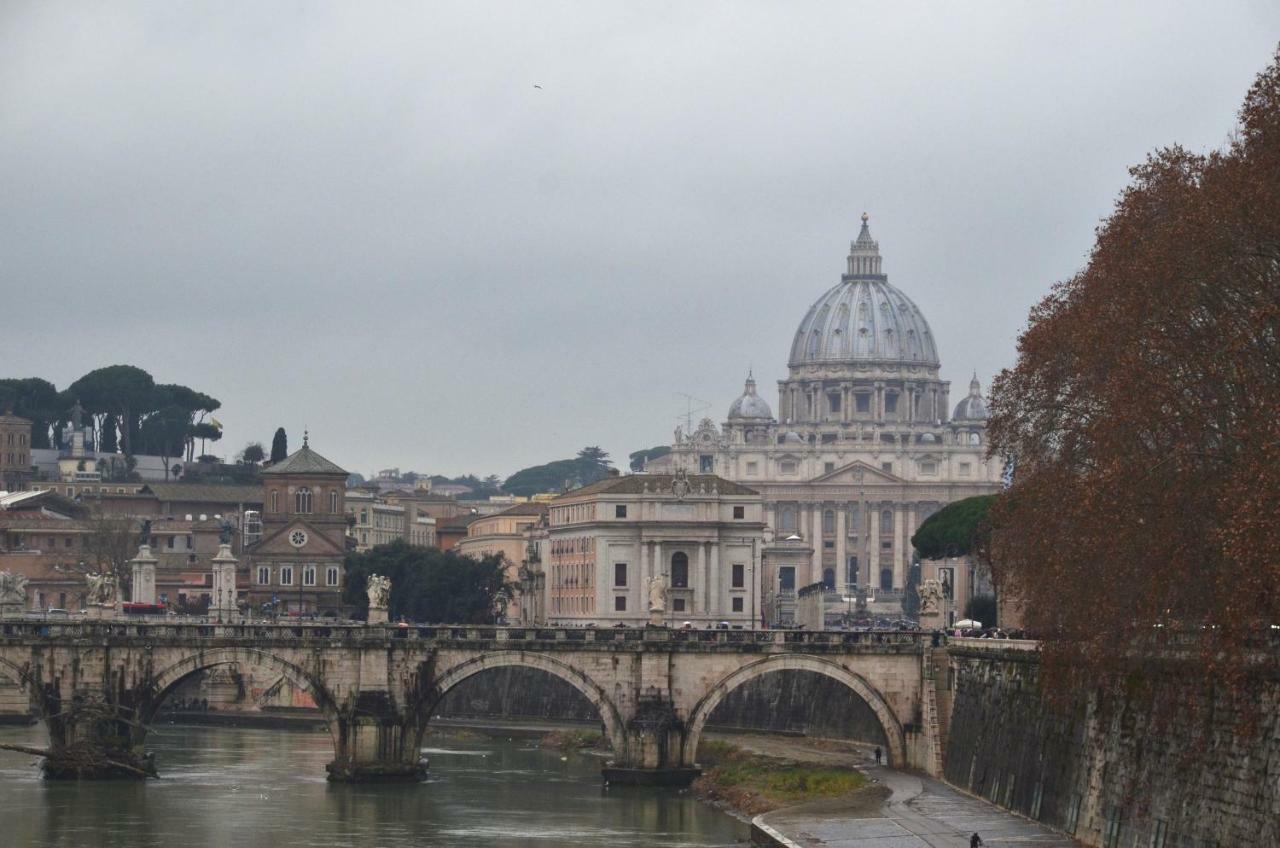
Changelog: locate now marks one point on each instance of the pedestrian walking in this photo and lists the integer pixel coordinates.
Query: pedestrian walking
(975, 841)
(877, 755)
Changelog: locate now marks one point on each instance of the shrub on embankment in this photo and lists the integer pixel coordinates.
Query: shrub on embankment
(751, 784)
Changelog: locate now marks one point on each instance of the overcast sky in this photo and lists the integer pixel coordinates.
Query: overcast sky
(366, 219)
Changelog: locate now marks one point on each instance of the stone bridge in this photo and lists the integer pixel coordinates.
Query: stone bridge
(98, 685)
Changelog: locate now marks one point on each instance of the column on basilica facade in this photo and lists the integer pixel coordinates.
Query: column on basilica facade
(899, 547)
(716, 590)
(701, 593)
(842, 534)
(815, 519)
(908, 549)
(872, 568)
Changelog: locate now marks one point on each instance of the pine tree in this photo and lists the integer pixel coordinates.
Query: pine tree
(279, 446)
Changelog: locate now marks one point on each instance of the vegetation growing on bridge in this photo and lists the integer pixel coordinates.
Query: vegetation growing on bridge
(1141, 416)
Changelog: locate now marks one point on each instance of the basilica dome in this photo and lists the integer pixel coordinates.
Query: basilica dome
(864, 319)
(750, 406)
(971, 408)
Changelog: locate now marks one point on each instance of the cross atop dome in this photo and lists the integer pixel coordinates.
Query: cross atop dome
(864, 254)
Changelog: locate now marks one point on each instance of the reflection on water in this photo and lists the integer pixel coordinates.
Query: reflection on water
(225, 787)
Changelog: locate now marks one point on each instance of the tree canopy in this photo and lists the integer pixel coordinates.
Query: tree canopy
(1141, 414)
(955, 530)
(279, 446)
(430, 585)
(591, 464)
(641, 457)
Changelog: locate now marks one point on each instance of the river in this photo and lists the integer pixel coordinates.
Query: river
(224, 787)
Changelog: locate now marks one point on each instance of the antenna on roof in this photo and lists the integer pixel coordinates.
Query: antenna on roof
(690, 409)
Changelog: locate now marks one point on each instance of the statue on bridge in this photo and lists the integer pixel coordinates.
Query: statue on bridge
(13, 589)
(102, 589)
(658, 593)
(379, 590)
(930, 592)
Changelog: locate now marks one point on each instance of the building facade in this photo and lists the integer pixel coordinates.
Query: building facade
(506, 534)
(15, 452)
(865, 446)
(297, 566)
(700, 534)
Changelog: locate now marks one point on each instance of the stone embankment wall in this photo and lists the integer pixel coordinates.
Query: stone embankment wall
(1197, 779)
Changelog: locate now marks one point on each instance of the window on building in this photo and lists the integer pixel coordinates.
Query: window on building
(619, 603)
(286, 575)
(787, 466)
(828, 467)
(264, 575)
(862, 402)
(886, 522)
(677, 604)
(753, 468)
(333, 501)
(886, 578)
(170, 542)
(851, 571)
(302, 500)
(787, 518)
(706, 463)
(275, 501)
(964, 469)
(331, 576)
(308, 575)
(739, 512)
(855, 516)
(828, 545)
(833, 402)
(829, 521)
(619, 574)
(737, 605)
(890, 402)
(1111, 835)
(739, 576)
(680, 570)
(620, 511)
(886, 467)
(828, 578)
(929, 468)
(787, 578)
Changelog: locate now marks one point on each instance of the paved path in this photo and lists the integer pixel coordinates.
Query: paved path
(917, 812)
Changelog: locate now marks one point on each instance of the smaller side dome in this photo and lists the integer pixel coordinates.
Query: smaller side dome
(750, 406)
(973, 407)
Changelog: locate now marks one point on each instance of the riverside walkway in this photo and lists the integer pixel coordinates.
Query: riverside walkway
(903, 811)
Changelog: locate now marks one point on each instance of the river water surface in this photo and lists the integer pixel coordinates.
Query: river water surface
(228, 787)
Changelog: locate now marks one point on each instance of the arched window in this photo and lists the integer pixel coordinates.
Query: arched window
(333, 501)
(302, 501)
(886, 578)
(680, 570)
(275, 500)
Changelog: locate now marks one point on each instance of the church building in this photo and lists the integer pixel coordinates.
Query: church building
(865, 445)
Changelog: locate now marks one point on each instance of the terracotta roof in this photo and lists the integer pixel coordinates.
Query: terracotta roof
(206, 493)
(304, 461)
(634, 484)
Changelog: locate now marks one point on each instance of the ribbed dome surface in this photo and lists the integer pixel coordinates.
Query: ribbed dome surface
(750, 405)
(973, 407)
(864, 319)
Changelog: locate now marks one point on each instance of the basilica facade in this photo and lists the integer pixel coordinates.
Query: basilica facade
(865, 445)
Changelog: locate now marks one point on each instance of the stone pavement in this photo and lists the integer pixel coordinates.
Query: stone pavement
(919, 812)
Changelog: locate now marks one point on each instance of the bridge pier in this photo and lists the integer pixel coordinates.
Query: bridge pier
(373, 744)
(95, 740)
(654, 745)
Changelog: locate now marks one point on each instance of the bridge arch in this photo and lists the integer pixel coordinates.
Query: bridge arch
(893, 733)
(454, 675)
(167, 680)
